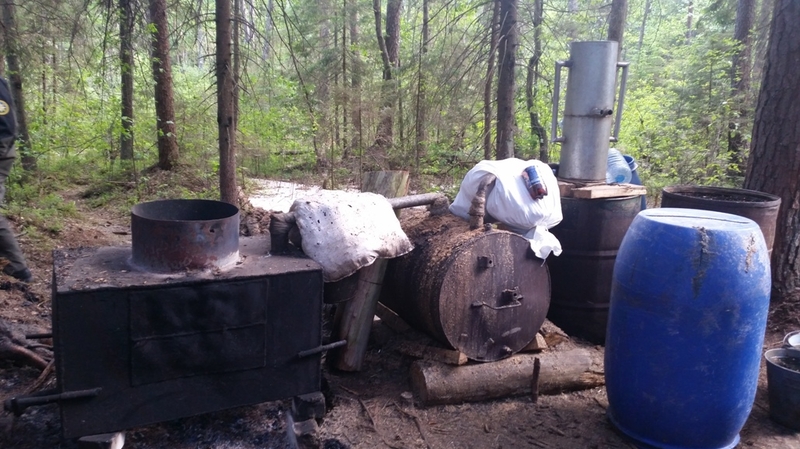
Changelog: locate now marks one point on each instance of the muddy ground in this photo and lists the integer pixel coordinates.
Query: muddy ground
(370, 409)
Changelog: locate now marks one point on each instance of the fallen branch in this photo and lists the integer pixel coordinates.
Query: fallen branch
(42, 378)
(13, 345)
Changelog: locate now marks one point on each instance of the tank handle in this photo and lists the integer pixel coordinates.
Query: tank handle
(622, 85)
(556, 98)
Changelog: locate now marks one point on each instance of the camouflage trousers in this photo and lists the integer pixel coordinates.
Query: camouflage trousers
(9, 248)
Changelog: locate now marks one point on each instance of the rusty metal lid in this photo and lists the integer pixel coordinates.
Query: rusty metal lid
(183, 234)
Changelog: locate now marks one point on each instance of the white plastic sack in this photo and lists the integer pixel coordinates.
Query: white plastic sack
(344, 231)
(510, 203)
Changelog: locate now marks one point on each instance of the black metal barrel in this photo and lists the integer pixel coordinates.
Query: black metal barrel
(183, 234)
(590, 235)
(758, 206)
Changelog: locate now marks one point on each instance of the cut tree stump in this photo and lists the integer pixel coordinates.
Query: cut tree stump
(437, 383)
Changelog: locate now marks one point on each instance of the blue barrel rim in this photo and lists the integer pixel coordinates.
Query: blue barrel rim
(661, 214)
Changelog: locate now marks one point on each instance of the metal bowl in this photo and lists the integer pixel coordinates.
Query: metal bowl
(792, 340)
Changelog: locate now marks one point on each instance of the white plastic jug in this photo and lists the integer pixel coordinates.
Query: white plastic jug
(617, 170)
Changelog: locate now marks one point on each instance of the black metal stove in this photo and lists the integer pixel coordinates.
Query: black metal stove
(138, 341)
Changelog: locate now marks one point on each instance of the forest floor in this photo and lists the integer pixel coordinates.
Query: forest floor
(370, 409)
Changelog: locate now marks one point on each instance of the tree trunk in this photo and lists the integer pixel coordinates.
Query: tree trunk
(507, 53)
(616, 23)
(322, 104)
(537, 129)
(774, 164)
(421, 144)
(487, 85)
(162, 73)
(356, 141)
(740, 84)
(24, 147)
(237, 57)
(390, 50)
(762, 38)
(647, 5)
(126, 21)
(226, 121)
(345, 102)
(267, 29)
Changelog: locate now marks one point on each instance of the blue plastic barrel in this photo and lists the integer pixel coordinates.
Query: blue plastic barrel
(635, 176)
(687, 316)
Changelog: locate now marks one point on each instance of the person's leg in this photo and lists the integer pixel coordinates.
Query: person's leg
(9, 248)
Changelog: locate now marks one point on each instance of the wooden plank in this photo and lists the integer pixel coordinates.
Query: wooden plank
(537, 344)
(391, 320)
(565, 188)
(608, 191)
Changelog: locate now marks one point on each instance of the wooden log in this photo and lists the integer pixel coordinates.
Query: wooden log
(477, 210)
(437, 383)
(354, 318)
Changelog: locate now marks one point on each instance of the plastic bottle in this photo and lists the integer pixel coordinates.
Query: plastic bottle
(617, 170)
(635, 176)
(533, 182)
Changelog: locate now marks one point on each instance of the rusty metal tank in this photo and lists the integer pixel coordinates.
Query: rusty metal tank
(482, 292)
(758, 206)
(184, 234)
(590, 235)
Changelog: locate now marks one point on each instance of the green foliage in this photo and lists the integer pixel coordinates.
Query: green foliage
(36, 204)
(296, 106)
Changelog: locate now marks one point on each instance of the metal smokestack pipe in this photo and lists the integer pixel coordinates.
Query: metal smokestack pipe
(588, 109)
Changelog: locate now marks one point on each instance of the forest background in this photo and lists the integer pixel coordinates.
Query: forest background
(326, 90)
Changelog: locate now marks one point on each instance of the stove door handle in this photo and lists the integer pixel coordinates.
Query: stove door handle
(18, 405)
(319, 349)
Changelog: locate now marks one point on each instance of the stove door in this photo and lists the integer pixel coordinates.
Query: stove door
(158, 354)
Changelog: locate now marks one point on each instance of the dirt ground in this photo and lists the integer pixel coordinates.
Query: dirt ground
(366, 410)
